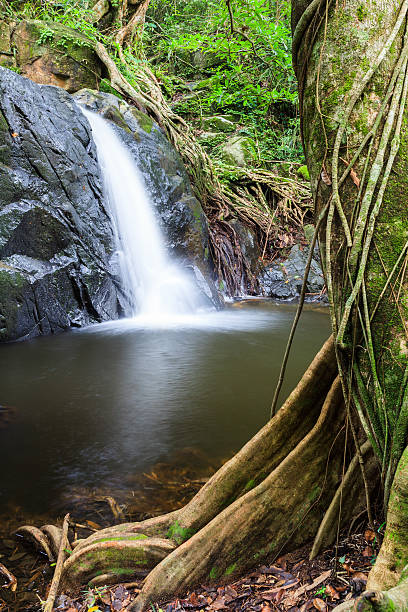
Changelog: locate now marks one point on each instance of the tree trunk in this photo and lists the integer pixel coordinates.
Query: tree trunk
(351, 62)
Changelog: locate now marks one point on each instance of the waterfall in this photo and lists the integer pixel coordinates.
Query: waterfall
(155, 287)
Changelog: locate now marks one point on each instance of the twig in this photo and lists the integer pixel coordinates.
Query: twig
(49, 604)
(12, 585)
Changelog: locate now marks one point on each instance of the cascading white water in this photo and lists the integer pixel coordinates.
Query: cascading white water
(155, 287)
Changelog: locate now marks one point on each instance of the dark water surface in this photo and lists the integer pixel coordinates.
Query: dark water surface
(95, 406)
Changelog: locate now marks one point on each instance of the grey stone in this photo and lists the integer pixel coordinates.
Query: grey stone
(218, 123)
(238, 151)
(56, 240)
(57, 264)
(284, 280)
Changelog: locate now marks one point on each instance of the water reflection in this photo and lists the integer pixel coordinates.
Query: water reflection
(95, 407)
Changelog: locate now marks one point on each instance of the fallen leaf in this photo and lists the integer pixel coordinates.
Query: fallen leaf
(218, 604)
(359, 576)
(332, 592)
(319, 604)
(369, 535)
(266, 608)
(93, 525)
(348, 568)
(368, 552)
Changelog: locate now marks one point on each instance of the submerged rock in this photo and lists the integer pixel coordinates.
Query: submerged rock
(56, 240)
(179, 213)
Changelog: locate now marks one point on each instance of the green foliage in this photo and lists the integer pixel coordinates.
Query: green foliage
(206, 64)
(244, 68)
(75, 14)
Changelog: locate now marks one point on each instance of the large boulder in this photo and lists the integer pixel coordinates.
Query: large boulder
(238, 151)
(56, 239)
(50, 53)
(283, 280)
(179, 213)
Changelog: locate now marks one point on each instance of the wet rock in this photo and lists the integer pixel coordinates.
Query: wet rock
(248, 242)
(179, 213)
(56, 241)
(283, 280)
(53, 54)
(238, 151)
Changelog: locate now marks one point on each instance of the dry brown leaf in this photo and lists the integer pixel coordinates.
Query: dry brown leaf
(325, 177)
(359, 576)
(194, 599)
(266, 608)
(368, 552)
(332, 592)
(231, 591)
(319, 604)
(218, 604)
(369, 535)
(348, 568)
(354, 178)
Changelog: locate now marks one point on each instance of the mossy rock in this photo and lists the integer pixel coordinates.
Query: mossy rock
(303, 173)
(53, 54)
(218, 123)
(238, 151)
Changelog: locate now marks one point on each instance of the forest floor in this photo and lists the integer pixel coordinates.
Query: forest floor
(292, 584)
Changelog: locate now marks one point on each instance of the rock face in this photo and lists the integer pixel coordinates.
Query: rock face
(284, 280)
(179, 213)
(50, 54)
(57, 263)
(55, 235)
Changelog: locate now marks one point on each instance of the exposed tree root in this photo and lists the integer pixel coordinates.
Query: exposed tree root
(116, 559)
(38, 538)
(349, 492)
(53, 535)
(62, 553)
(260, 523)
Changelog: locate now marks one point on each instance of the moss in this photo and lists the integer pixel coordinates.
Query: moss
(143, 120)
(230, 569)
(123, 538)
(303, 172)
(179, 534)
(249, 485)
(214, 573)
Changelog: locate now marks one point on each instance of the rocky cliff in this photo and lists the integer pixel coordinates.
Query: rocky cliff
(56, 239)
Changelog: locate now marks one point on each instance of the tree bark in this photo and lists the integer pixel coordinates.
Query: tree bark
(351, 63)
